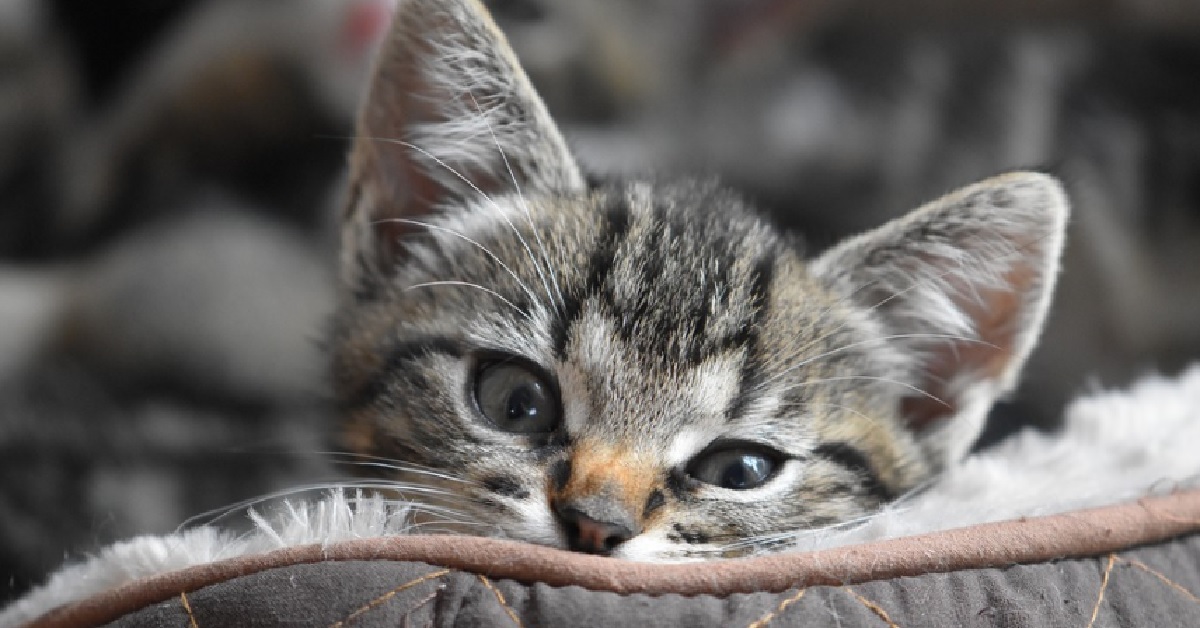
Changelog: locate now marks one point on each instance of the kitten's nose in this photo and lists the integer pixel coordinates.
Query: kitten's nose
(596, 527)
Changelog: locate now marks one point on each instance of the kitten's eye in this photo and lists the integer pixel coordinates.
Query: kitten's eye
(516, 399)
(739, 467)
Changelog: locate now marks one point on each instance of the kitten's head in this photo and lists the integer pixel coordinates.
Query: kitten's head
(650, 370)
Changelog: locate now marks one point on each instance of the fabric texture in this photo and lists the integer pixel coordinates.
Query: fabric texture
(1041, 571)
(1150, 586)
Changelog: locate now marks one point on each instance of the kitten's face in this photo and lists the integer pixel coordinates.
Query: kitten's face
(641, 370)
(657, 359)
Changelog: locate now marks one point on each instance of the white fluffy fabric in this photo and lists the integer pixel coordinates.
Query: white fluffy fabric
(340, 517)
(1114, 447)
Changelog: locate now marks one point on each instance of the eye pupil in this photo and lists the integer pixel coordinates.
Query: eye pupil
(735, 476)
(522, 403)
(516, 399)
(745, 472)
(740, 467)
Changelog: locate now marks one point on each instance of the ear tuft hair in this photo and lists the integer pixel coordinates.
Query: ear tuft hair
(450, 115)
(964, 284)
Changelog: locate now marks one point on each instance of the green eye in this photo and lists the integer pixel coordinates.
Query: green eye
(516, 399)
(739, 466)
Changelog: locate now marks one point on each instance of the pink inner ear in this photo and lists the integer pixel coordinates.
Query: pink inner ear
(996, 314)
(365, 23)
(409, 183)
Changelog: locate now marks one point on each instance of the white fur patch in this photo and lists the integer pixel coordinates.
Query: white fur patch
(715, 382)
(538, 521)
(1115, 446)
(686, 444)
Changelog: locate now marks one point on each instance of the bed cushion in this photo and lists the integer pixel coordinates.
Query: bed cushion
(1136, 563)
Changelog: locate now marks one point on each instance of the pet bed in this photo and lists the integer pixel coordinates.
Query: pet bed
(1098, 525)
(1135, 564)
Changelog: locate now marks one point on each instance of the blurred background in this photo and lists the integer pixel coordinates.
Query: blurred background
(169, 184)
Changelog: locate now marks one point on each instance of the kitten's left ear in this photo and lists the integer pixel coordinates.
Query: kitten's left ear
(963, 284)
(450, 115)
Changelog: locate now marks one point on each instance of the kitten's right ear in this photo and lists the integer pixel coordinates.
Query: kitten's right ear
(450, 115)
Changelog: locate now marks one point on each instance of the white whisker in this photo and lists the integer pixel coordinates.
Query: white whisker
(217, 514)
(402, 469)
(467, 284)
(778, 541)
(917, 283)
(806, 404)
(489, 199)
(532, 296)
(393, 464)
(852, 345)
(524, 205)
(847, 378)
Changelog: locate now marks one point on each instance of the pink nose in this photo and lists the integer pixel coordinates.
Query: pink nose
(586, 533)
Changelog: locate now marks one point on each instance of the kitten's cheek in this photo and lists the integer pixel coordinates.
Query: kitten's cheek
(534, 523)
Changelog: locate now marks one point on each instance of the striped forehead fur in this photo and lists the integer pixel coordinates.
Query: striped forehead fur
(674, 317)
(704, 389)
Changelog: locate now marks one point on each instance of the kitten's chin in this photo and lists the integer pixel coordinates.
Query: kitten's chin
(648, 547)
(555, 540)
(651, 547)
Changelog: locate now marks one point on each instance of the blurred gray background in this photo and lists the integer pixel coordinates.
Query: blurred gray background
(169, 176)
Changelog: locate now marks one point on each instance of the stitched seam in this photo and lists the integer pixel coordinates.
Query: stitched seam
(187, 606)
(874, 607)
(1157, 574)
(1112, 559)
(422, 602)
(512, 614)
(766, 619)
(387, 596)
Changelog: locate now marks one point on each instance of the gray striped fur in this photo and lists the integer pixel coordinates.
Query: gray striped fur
(669, 316)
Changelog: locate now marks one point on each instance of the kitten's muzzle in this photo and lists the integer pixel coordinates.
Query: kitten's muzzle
(596, 525)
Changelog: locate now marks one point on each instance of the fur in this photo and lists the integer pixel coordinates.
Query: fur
(672, 327)
(1115, 446)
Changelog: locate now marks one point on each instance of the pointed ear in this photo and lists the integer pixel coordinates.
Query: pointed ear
(962, 285)
(449, 116)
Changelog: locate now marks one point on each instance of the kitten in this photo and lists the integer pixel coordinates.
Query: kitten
(642, 369)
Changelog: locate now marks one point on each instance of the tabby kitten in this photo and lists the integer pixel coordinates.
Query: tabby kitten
(641, 369)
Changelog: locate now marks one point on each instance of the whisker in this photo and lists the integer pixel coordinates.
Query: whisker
(341, 453)
(805, 404)
(432, 157)
(407, 508)
(401, 469)
(849, 299)
(433, 524)
(774, 542)
(530, 293)
(524, 205)
(217, 514)
(852, 345)
(467, 284)
(489, 199)
(889, 380)
(916, 283)
(328, 516)
(400, 465)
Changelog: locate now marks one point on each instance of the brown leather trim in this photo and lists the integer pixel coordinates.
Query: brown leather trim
(1071, 535)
